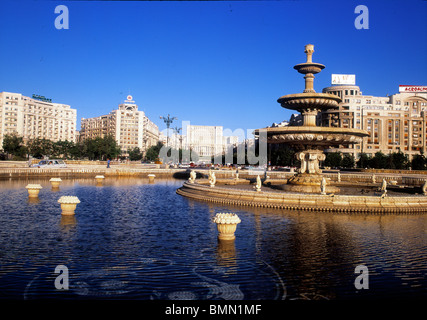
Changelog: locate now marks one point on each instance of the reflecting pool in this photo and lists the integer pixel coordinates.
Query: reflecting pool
(131, 239)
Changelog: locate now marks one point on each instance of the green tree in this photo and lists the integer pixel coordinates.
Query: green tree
(63, 149)
(379, 161)
(152, 153)
(14, 145)
(40, 147)
(348, 161)
(399, 160)
(282, 155)
(333, 160)
(419, 162)
(100, 148)
(135, 154)
(363, 161)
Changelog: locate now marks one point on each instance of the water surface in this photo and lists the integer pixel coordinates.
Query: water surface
(133, 240)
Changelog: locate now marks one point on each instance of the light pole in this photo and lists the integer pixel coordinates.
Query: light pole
(168, 120)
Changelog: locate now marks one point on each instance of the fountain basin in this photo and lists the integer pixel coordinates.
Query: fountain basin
(302, 201)
(301, 101)
(304, 136)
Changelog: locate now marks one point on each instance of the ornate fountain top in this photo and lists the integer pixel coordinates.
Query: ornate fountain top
(309, 49)
(309, 68)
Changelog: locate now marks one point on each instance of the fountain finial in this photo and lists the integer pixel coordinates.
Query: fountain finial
(309, 49)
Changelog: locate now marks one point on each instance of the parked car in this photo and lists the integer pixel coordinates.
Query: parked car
(184, 165)
(53, 163)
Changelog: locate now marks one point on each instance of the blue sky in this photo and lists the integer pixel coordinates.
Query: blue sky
(209, 62)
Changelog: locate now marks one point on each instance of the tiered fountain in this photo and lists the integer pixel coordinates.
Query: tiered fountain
(308, 189)
(309, 140)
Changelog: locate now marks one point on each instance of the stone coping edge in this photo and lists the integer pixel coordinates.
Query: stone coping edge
(308, 202)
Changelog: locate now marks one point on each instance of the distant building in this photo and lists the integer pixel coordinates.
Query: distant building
(129, 126)
(396, 122)
(207, 141)
(36, 117)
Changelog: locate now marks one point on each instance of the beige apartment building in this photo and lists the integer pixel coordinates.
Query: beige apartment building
(396, 122)
(129, 126)
(36, 117)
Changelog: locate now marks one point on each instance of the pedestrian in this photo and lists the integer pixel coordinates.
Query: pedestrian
(108, 163)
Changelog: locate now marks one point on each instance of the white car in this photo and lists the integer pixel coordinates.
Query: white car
(50, 164)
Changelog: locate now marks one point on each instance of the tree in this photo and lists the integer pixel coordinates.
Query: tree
(63, 149)
(152, 153)
(399, 160)
(419, 162)
(14, 145)
(363, 161)
(333, 160)
(282, 155)
(135, 154)
(379, 161)
(348, 161)
(40, 147)
(101, 148)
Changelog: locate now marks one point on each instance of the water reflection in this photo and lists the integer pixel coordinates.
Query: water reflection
(68, 220)
(33, 200)
(226, 253)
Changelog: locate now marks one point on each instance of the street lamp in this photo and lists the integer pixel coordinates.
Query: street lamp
(168, 120)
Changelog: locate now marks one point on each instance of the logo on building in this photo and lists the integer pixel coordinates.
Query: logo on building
(403, 88)
(343, 79)
(129, 98)
(41, 98)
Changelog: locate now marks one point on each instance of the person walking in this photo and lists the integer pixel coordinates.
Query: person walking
(108, 163)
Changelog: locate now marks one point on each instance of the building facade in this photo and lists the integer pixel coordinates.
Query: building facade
(128, 125)
(36, 117)
(207, 141)
(396, 122)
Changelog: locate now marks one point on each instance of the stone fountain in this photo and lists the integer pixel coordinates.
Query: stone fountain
(309, 140)
(309, 189)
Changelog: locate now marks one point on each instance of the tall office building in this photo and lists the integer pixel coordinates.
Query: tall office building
(36, 117)
(396, 122)
(129, 126)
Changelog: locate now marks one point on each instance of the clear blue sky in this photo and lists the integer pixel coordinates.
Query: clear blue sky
(209, 62)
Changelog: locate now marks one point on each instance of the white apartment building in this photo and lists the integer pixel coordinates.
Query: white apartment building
(129, 126)
(36, 117)
(207, 141)
(396, 122)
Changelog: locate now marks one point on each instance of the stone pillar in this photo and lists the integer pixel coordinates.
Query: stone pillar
(310, 161)
(309, 117)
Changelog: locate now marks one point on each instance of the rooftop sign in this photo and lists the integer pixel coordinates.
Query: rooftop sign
(41, 98)
(343, 79)
(412, 88)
